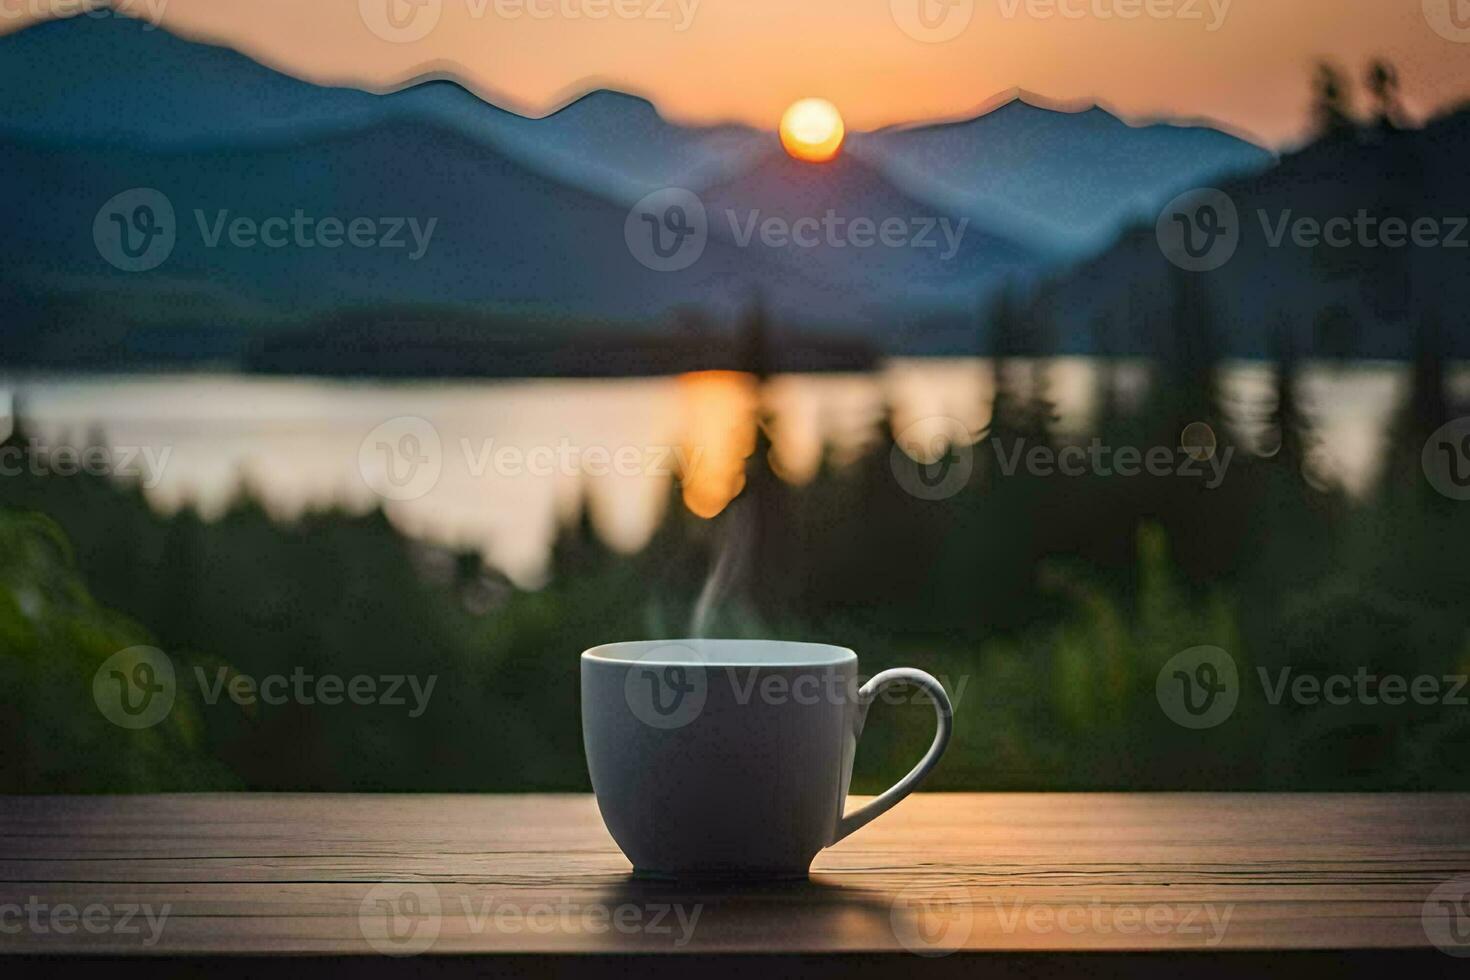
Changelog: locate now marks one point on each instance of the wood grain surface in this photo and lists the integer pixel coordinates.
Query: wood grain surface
(538, 875)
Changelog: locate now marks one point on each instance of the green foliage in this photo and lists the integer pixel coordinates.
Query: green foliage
(54, 637)
(1046, 604)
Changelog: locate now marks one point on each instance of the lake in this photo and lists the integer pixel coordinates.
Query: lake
(499, 465)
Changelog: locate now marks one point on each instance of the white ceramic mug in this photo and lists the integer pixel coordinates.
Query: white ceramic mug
(733, 757)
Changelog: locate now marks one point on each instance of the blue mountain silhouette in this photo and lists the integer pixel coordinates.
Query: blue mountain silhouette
(529, 214)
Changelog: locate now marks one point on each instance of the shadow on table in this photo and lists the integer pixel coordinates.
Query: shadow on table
(819, 913)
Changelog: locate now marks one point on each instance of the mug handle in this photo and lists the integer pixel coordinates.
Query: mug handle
(944, 715)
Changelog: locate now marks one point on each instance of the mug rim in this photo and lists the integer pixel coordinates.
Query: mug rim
(716, 652)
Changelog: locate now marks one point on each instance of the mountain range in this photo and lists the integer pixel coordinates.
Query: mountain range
(529, 216)
(1069, 179)
(1343, 249)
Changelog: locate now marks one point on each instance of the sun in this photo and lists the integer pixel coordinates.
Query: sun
(812, 130)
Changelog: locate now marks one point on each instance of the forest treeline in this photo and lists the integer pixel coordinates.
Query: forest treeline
(1047, 604)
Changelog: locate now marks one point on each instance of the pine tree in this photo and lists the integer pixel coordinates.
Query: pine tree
(1383, 86)
(1426, 409)
(1290, 429)
(1330, 105)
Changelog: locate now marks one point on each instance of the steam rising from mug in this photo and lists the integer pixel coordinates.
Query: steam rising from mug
(729, 566)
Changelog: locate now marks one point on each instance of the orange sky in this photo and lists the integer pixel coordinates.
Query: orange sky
(1243, 63)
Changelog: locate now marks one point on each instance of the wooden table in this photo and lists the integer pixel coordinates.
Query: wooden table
(1028, 885)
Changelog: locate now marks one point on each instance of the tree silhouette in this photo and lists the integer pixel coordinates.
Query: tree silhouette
(1330, 106)
(1383, 88)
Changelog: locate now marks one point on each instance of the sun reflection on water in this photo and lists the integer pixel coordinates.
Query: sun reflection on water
(719, 412)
